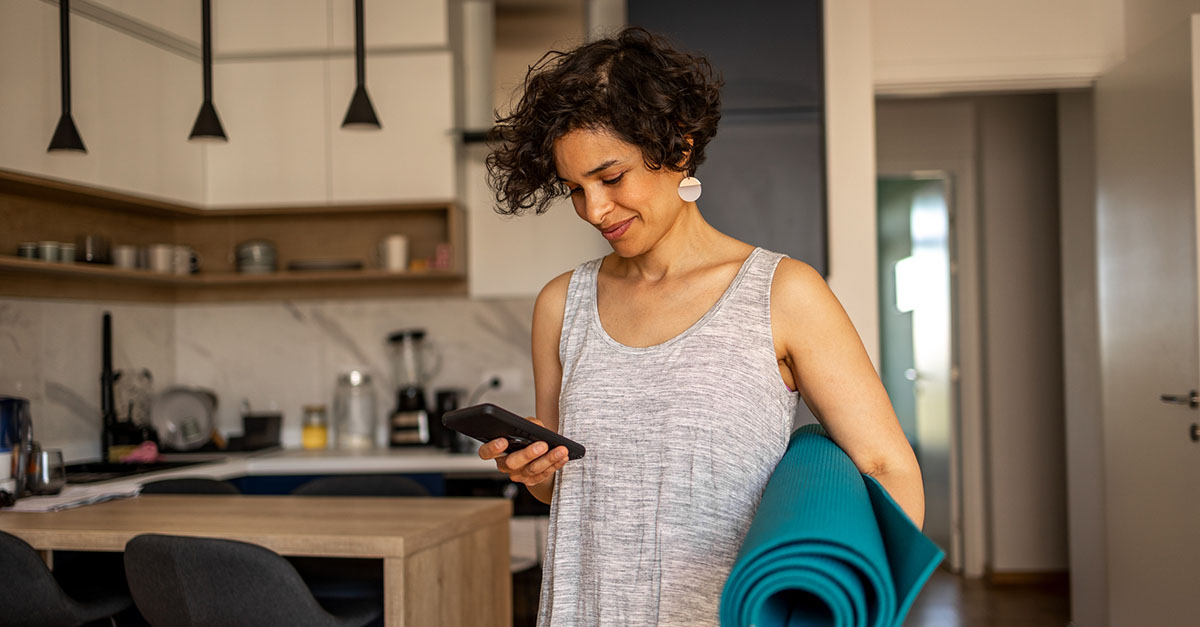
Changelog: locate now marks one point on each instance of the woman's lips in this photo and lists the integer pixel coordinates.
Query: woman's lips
(617, 231)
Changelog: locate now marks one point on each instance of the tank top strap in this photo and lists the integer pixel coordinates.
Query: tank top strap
(581, 292)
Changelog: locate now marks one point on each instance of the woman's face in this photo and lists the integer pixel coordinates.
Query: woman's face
(611, 188)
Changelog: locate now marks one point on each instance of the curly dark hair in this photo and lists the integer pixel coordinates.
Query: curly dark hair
(634, 85)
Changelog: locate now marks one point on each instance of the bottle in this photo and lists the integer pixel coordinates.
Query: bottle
(314, 428)
(354, 411)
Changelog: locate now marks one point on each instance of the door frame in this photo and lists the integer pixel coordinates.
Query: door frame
(969, 498)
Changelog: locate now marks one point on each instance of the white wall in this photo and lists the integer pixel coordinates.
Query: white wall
(1146, 20)
(940, 46)
(850, 166)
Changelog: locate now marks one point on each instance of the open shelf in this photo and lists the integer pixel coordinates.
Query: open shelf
(42, 209)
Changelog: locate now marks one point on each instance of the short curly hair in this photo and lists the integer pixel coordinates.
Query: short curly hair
(634, 85)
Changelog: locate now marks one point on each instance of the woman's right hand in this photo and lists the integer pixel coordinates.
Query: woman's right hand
(531, 465)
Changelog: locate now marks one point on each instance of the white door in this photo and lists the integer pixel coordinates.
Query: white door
(1146, 140)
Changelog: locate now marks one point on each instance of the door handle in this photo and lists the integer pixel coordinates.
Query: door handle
(1191, 400)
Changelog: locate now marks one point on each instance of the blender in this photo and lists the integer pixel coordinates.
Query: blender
(409, 423)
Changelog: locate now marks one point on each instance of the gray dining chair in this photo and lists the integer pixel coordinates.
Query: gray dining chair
(361, 485)
(190, 485)
(31, 596)
(179, 581)
(340, 578)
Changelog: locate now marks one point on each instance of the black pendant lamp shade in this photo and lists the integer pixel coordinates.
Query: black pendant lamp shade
(208, 125)
(66, 136)
(360, 114)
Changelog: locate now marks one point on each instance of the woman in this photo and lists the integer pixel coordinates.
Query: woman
(678, 359)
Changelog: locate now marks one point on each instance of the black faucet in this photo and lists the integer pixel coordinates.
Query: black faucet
(108, 411)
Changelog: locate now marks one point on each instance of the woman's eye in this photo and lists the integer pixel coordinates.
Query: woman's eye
(615, 180)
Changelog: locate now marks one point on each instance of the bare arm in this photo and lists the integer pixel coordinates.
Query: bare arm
(535, 466)
(836, 378)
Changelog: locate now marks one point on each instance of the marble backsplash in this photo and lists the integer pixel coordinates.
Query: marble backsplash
(279, 355)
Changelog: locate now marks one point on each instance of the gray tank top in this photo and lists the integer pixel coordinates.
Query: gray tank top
(681, 438)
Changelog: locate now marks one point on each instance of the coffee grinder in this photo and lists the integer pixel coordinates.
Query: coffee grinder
(409, 424)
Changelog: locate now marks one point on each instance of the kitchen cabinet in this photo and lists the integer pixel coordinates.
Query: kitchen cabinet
(133, 102)
(344, 231)
(250, 28)
(274, 115)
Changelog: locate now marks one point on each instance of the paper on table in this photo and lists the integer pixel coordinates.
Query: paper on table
(74, 496)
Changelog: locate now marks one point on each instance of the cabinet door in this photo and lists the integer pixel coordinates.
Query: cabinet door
(274, 114)
(132, 101)
(411, 158)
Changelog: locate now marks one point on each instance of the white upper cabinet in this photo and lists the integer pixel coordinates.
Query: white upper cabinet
(411, 157)
(389, 23)
(274, 115)
(269, 26)
(177, 18)
(283, 80)
(273, 26)
(132, 101)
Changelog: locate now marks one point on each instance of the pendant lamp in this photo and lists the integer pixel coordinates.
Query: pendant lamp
(208, 125)
(66, 136)
(360, 114)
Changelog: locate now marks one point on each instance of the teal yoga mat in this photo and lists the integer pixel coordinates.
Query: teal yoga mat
(827, 546)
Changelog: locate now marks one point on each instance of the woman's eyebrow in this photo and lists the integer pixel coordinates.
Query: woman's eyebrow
(603, 166)
(599, 168)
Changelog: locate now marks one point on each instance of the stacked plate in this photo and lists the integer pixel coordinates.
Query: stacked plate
(256, 256)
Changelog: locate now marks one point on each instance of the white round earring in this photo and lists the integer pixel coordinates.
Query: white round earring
(689, 189)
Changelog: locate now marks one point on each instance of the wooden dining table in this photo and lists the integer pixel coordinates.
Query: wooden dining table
(445, 560)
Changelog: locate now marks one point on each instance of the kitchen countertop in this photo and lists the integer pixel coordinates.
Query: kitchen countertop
(274, 462)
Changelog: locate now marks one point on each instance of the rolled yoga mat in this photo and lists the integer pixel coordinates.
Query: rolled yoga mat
(827, 546)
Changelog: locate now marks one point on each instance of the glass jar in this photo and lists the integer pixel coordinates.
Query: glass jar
(354, 413)
(314, 428)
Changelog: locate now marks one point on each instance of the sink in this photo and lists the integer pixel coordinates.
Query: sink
(91, 472)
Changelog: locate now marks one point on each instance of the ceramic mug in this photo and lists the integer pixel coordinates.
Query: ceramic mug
(161, 258)
(125, 256)
(186, 260)
(393, 253)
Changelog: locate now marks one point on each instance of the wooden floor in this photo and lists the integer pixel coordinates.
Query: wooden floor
(950, 601)
(946, 601)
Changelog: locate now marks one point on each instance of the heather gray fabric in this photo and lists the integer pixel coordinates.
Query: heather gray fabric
(681, 438)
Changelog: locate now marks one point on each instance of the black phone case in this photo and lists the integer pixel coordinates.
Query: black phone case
(487, 422)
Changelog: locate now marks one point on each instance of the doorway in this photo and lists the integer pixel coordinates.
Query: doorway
(918, 362)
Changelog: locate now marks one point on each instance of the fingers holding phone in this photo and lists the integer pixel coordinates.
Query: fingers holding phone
(531, 464)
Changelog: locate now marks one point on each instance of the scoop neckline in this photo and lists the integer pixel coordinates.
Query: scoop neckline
(712, 311)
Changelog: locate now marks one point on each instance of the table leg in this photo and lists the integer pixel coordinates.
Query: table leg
(463, 582)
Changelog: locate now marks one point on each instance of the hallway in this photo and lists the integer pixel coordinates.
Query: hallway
(950, 601)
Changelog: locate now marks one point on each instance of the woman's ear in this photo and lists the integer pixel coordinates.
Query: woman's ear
(687, 152)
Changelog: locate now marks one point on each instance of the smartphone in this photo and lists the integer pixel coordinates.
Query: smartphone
(487, 422)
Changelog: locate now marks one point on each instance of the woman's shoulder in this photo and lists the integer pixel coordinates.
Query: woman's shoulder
(798, 285)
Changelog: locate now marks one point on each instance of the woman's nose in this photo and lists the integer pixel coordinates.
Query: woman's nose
(596, 205)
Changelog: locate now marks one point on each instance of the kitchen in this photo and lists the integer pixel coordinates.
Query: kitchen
(269, 345)
(134, 102)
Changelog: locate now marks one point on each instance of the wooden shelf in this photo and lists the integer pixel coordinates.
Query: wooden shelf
(42, 209)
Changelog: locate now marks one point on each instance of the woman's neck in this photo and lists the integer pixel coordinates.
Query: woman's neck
(691, 242)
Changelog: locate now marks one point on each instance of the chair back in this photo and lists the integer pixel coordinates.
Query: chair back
(190, 485)
(202, 582)
(30, 595)
(361, 485)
